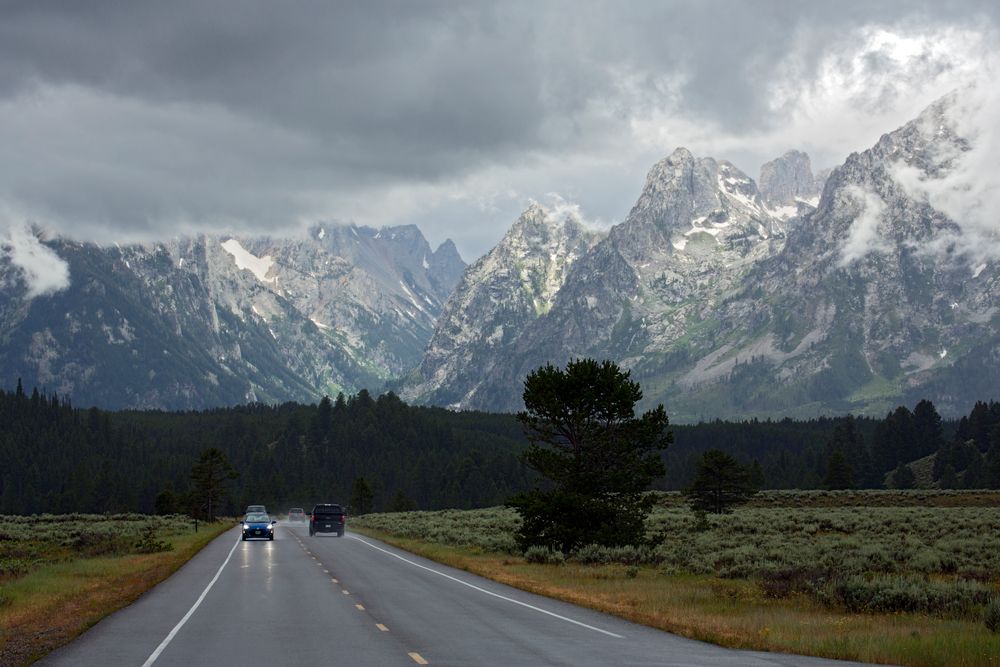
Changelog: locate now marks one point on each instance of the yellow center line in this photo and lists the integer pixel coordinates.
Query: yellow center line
(360, 607)
(417, 658)
(381, 627)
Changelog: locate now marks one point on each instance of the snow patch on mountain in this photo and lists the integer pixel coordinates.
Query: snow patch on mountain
(247, 261)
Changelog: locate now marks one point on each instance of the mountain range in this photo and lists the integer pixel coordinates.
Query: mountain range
(811, 295)
(221, 320)
(798, 294)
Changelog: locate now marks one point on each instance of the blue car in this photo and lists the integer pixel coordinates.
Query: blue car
(258, 524)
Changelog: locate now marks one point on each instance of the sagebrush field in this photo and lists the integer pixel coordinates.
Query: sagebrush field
(903, 577)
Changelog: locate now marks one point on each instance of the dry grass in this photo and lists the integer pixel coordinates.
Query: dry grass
(56, 601)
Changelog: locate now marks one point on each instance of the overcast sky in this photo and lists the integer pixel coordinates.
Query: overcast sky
(136, 120)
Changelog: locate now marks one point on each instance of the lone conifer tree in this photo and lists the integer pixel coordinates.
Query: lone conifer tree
(361, 496)
(596, 455)
(210, 478)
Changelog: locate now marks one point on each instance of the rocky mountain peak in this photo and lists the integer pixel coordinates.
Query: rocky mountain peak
(448, 252)
(445, 267)
(682, 188)
(788, 178)
(687, 198)
(538, 226)
(500, 294)
(537, 251)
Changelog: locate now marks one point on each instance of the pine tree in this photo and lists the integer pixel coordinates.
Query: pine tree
(597, 455)
(928, 434)
(992, 476)
(400, 502)
(361, 496)
(757, 479)
(903, 477)
(720, 484)
(210, 479)
(839, 474)
(166, 502)
(949, 480)
(894, 440)
(980, 425)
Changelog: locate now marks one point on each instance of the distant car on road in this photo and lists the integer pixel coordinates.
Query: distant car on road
(327, 518)
(297, 514)
(255, 509)
(258, 524)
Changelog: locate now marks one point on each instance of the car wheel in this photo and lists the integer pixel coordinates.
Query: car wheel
(244, 538)
(340, 533)
(271, 538)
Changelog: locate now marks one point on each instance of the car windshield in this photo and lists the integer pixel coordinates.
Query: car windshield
(257, 518)
(295, 510)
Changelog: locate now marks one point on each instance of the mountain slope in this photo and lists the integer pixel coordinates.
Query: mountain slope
(868, 305)
(499, 295)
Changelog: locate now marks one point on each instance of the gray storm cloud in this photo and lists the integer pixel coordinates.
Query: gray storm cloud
(122, 122)
(43, 271)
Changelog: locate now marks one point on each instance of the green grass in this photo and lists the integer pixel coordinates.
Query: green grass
(902, 577)
(877, 388)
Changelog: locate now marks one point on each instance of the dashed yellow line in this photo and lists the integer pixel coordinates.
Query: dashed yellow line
(417, 658)
(381, 627)
(360, 607)
(334, 580)
(345, 592)
(326, 571)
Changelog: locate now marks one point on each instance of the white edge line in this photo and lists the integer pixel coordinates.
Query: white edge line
(483, 590)
(180, 624)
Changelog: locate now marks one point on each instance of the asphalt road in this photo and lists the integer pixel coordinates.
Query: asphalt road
(301, 600)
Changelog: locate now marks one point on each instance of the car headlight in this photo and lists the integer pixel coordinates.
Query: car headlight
(245, 526)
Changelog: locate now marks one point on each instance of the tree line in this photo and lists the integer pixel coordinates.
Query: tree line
(58, 458)
(381, 453)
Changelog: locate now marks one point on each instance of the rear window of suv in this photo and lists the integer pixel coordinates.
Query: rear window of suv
(328, 509)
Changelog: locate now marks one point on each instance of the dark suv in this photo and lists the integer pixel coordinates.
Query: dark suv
(326, 518)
